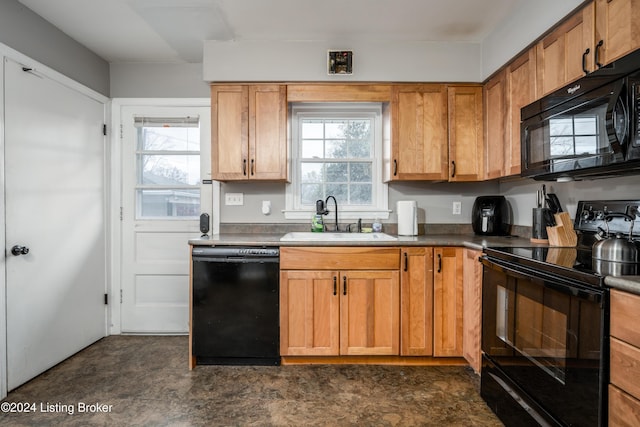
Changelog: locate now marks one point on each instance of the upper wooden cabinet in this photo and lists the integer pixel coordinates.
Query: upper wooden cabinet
(466, 135)
(495, 107)
(617, 30)
(249, 132)
(419, 132)
(566, 53)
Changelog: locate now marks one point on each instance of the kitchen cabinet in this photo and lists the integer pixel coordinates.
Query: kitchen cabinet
(624, 387)
(416, 301)
(617, 32)
(419, 147)
(249, 132)
(564, 54)
(520, 91)
(466, 135)
(448, 301)
(472, 308)
(495, 110)
(339, 301)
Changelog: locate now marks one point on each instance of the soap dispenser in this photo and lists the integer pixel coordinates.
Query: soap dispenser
(317, 223)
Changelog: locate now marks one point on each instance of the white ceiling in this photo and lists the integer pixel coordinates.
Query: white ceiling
(173, 30)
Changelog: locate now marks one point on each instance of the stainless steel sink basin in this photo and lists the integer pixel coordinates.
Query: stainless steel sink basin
(307, 236)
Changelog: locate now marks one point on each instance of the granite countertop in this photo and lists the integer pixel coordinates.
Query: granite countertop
(624, 283)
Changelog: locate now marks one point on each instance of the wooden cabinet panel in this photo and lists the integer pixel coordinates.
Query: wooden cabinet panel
(268, 132)
(625, 309)
(466, 135)
(495, 125)
(339, 258)
(419, 132)
(625, 367)
(472, 309)
(624, 410)
(248, 132)
(447, 302)
(617, 29)
(521, 91)
(369, 313)
(416, 305)
(309, 313)
(566, 54)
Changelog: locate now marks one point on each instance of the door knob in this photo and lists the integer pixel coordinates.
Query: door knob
(19, 250)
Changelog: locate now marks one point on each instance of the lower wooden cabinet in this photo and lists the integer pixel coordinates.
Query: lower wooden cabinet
(416, 301)
(331, 312)
(472, 303)
(624, 390)
(447, 301)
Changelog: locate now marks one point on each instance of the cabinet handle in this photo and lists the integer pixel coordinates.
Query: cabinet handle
(252, 167)
(406, 262)
(344, 285)
(244, 167)
(584, 61)
(395, 167)
(453, 169)
(335, 285)
(439, 263)
(597, 53)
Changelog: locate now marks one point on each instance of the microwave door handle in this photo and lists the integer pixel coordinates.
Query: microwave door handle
(616, 142)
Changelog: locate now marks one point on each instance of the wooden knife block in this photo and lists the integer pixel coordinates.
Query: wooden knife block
(562, 234)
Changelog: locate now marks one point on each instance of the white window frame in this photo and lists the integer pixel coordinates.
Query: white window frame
(380, 208)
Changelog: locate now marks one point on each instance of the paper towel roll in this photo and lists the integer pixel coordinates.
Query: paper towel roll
(407, 218)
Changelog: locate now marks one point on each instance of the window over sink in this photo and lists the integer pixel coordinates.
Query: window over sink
(336, 151)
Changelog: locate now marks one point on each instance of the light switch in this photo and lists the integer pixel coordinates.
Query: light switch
(234, 199)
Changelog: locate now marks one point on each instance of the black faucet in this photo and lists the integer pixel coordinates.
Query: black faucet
(326, 211)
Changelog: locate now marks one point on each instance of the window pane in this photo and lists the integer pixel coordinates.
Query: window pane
(169, 169)
(361, 194)
(339, 191)
(337, 172)
(169, 139)
(312, 129)
(561, 126)
(309, 193)
(311, 172)
(561, 146)
(360, 172)
(312, 149)
(586, 144)
(169, 203)
(585, 125)
(334, 129)
(336, 149)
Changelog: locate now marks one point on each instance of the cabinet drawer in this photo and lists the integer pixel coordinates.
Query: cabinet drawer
(625, 367)
(624, 316)
(624, 410)
(339, 258)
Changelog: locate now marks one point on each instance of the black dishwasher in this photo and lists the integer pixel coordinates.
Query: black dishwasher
(235, 316)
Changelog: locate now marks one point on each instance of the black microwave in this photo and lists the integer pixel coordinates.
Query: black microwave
(588, 129)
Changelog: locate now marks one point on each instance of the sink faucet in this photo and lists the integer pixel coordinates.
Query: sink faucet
(326, 211)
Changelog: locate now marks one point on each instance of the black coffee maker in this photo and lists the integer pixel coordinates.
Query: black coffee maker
(491, 216)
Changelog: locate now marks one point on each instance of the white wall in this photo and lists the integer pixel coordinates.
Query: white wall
(157, 80)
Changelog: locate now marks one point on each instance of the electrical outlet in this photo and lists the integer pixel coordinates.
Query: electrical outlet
(234, 199)
(457, 208)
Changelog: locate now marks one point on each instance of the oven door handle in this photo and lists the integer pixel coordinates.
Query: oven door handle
(550, 281)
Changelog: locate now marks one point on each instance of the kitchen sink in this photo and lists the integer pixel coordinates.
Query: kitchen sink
(308, 236)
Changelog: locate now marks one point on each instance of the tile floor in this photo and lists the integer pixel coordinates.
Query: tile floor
(144, 381)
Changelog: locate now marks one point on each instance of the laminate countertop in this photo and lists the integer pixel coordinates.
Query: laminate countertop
(273, 239)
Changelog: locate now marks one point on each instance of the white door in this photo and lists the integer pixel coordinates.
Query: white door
(55, 206)
(165, 157)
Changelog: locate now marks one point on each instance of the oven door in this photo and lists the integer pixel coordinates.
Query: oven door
(590, 131)
(544, 337)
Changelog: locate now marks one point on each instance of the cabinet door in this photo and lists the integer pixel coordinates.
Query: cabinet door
(495, 123)
(566, 54)
(229, 132)
(521, 91)
(447, 302)
(268, 132)
(466, 137)
(370, 313)
(472, 308)
(416, 302)
(617, 31)
(419, 132)
(309, 313)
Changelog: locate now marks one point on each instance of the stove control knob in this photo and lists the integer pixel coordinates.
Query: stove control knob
(587, 215)
(600, 215)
